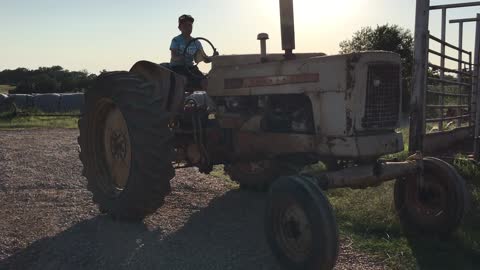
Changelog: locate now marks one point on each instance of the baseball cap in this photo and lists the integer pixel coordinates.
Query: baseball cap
(185, 18)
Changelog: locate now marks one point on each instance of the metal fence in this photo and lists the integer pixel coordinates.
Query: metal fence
(445, 96)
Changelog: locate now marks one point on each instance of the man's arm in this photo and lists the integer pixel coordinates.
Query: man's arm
(177, 56)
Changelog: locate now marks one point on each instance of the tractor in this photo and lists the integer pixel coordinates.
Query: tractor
(264, 117)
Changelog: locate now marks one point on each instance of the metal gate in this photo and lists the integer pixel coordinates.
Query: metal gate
(445, 95)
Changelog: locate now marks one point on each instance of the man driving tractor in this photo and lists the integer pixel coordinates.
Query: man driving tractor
(182, 60)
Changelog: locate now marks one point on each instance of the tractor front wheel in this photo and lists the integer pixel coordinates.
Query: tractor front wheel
(300, 225)
(435, 207)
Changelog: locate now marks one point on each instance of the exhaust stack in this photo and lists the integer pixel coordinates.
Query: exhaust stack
(288, 28)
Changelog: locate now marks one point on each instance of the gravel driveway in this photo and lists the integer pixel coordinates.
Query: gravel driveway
(47, 219)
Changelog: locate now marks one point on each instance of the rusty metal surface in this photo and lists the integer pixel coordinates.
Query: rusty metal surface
(442, 140)
(256, 144)
(287, 27)
(261, 145)
(236, 83)
(417, 103)
(368, 175)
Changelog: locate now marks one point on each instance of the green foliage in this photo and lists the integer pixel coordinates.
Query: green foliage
(220, 173)
(387, 38)
(46, 80)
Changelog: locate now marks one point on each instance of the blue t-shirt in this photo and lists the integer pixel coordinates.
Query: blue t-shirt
(179, 42)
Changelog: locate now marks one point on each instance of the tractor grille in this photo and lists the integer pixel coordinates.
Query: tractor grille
(383, 97)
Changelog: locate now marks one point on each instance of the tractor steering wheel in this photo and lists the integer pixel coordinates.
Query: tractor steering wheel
(199, 56)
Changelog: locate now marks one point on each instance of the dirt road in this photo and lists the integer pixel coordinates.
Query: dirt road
(47, 219)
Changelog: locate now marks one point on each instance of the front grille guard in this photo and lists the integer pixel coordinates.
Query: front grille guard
(383, 96)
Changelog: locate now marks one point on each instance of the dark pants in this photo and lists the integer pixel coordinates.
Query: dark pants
(193, 74)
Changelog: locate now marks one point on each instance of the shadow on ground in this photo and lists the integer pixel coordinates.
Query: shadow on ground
(461, 251)
(220, 236)
(444, 254)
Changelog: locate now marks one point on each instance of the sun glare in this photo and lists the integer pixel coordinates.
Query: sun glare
(307, 10)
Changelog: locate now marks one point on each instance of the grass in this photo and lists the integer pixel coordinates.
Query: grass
(367, 220)
(219, 173)
(5, 88)
(37, 120)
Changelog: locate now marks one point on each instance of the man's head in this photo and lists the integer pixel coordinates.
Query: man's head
(185, 24)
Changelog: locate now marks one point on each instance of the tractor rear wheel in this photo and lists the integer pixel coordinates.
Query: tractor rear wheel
(126, 146)
(300, 225)
(436, 207)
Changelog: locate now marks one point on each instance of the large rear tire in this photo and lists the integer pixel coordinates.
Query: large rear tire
(126, 146)
(300, 225)
(438, 207)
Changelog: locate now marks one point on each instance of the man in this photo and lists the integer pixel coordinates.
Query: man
(182, 58)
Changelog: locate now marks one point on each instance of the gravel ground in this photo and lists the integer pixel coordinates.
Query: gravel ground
(47, 219)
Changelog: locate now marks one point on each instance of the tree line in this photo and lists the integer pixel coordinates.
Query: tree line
(53, 79)
(56, 79)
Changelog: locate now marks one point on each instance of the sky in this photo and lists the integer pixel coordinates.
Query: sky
(114, 34)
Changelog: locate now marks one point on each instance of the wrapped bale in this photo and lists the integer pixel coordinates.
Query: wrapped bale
(6, 104)
(71, 102)
(3, 97)
(47, 102)
(22, 101)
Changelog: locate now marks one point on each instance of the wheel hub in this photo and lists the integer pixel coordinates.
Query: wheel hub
(431, 199)
(296, 233)
(118, 145)
(116, 141)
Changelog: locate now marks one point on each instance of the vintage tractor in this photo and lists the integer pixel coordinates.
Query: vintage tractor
(264, 117)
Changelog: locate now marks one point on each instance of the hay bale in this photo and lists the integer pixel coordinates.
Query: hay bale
(71, 102)
(46, 102)
(22, 101)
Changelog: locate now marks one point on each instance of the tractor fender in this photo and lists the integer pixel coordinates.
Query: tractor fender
(169, 86)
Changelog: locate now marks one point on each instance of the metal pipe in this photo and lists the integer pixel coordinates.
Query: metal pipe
(448, 69)
(368, 175)
(447, 44)
(476, 151)
(433, 120)
(460, 5)
(460, 54)
(447, 106)
(287, 22)
(464, 20)
(471, 99)
(447, 57)
(448, 81)
(417, 103)
(442, 62)
(448, 94)
(263, 37)
(460, 58)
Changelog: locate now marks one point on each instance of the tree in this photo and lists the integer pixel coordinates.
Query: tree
(387, 38)
(47, 80)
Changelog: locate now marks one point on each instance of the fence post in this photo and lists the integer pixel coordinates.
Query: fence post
(442, 65)
(476, 61)
(417, 103)
(459, 111)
